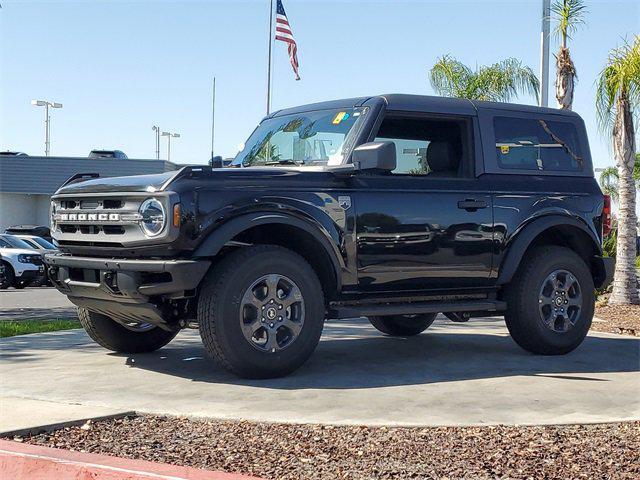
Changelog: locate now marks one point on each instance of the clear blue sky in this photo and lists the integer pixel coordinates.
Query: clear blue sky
(121, 66)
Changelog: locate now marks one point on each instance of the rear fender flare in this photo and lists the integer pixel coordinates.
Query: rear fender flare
(527, 234)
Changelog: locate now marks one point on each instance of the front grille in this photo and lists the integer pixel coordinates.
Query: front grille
(97, 220)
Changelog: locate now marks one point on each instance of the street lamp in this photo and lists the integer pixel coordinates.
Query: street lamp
(156, 129)
(47, 120)
(169, 135)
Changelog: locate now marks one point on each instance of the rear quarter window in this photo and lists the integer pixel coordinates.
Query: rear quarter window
(537, 144)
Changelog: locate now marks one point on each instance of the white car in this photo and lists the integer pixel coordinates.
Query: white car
(23, 265)
(37, 243)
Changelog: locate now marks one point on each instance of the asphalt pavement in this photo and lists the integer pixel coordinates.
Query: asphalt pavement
(44, 303)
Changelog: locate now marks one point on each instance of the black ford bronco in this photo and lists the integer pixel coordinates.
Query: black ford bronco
(393, 207)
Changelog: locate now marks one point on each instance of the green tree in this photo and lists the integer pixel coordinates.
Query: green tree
(610, 176)
(500, 82)
(568, 15)
(618, 96)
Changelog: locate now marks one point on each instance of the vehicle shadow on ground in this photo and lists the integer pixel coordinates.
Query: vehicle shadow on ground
(352, 355)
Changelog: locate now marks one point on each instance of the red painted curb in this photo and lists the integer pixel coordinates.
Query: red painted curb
(19, 461)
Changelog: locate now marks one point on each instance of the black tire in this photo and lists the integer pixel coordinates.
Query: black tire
(220, 309)
(113, 336)
(524, 318)
(403, 325)
(9, 276)
(20, 284)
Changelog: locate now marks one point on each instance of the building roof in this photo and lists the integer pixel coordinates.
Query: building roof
(44, 175)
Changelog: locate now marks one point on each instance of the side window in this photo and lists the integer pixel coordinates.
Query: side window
(536, 144)
(428, 146)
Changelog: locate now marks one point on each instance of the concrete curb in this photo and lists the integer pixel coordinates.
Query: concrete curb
(23, 432)
(19, 461)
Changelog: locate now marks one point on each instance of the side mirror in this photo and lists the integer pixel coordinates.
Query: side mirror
(375, 156)
(216, 162)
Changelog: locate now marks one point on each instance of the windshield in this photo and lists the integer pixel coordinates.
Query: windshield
(14, 242)
(321, 137)
(43, 243)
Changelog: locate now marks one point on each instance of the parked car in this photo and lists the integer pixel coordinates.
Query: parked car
(9, 153)
(34, 230)
(23, 265)
(38, 243)
(107, 154)
(391, 207)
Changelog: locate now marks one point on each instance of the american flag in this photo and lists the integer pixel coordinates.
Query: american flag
(284, 34)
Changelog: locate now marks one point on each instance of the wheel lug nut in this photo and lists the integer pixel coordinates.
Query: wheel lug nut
(271, 301)
(280, 319)
(262, 319)
(271, 325)
(279, 307)
(263, 307)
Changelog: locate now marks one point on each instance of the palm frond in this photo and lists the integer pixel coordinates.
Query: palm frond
(620, 76)
(569, 16)
(609, 182)
(500, 82)
(448, 76)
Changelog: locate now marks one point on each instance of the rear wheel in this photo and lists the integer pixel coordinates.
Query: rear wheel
(261, 312)
(550, 302)
(403, 325)
(134, 337)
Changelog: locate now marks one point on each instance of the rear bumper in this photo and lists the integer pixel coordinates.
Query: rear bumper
(130, 290)
(607, 266)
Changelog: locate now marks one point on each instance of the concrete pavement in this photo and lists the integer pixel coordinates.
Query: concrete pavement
(453, 374)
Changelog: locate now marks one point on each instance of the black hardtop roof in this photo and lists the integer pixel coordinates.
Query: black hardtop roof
(426, 103)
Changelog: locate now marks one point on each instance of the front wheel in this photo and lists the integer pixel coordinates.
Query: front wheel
(550, 301)
(6, 280)
(261, 312)
(403, 325)
(135, 337)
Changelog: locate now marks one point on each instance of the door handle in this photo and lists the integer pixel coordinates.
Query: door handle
(471, 205)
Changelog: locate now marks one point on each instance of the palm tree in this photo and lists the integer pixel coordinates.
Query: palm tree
(569, 15)
(610, 176)
(618, 95)
(500, 82)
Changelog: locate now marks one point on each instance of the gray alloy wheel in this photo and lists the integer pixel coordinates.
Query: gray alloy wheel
(560, 301)
(272, 313)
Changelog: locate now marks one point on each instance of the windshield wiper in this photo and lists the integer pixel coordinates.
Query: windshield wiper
(284, 162)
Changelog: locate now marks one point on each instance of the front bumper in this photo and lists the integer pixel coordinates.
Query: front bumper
(123, 289)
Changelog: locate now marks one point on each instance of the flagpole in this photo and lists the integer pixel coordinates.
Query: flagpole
(213, 114)
(269, 58)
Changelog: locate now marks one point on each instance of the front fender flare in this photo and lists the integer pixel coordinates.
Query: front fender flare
(219, 237)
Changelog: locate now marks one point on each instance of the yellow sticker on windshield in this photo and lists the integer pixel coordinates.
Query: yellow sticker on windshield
(339, 117)
(504, 149)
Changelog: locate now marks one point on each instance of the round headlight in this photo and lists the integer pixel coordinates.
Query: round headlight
(153, 217)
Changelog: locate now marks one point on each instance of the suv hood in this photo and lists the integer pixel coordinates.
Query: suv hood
(134, 183)
(160, 181)
(14, 252)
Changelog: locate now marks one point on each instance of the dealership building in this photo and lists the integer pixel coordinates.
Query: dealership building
(27, 183)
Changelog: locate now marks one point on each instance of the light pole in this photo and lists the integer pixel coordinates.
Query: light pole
(156, 129)
(47, 120)
(169, 135)
(544, 53)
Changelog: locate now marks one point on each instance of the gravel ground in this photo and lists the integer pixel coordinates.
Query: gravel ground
(623, 319)
(279, 451)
